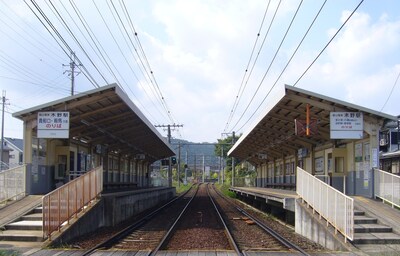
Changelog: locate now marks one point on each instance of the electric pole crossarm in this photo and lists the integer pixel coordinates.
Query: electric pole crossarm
(168, 126)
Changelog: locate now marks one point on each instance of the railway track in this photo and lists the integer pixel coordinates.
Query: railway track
(146, 233)
(202, 219)
(200, 228)
(251, 234)
(188, 223)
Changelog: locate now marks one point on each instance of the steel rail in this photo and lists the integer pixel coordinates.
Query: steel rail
(123, 233)
(228, 233)
(270, 231)
(154, 252)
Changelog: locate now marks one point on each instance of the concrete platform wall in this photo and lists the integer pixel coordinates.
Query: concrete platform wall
(112, 209)
(311, 226)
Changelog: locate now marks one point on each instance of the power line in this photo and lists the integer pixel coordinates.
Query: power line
(32, 29)
(80, 46)
(333, 37)
(258, 54)
(309, 65)
(391, 91)
(62, 41)
(270, 65)
(120, 50)
(240, 92)
(147, 70)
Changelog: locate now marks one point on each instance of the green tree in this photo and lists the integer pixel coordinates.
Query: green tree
(222, 148)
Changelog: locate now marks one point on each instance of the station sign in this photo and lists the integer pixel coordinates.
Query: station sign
(53, 124)
(346, 125)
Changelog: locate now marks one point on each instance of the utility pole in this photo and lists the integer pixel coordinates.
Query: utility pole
(186, 168)
(2, 129)
(168, 126)
(204, 168)
(233, 161)
(179, 165)
(222, 163)
(72, 71)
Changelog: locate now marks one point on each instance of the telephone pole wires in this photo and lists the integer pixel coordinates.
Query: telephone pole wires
(3, 99)
(72, 71)
(169, 126)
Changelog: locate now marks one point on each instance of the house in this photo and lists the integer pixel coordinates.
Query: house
(12, 152)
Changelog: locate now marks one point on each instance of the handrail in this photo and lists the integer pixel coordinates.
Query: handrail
(387, 187)
(12, 184)
(330, 203)
(60, 205)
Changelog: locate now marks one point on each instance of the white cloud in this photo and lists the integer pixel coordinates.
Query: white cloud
(361, 64)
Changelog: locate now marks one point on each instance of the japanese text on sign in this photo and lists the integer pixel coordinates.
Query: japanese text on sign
(346, 125)
(53, 125)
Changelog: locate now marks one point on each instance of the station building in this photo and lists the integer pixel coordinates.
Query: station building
(343, 154)
(66, 138)
(326, 150)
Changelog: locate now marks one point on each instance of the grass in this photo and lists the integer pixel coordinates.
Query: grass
(224, 188)
(9, 253)
(182, 188)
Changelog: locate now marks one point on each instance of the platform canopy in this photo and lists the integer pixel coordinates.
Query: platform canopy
(273, 136)
(107, 118)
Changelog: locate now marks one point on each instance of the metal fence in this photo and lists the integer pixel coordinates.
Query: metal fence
(67, 201)
(12, 184)
(387, 187)
(330, 203)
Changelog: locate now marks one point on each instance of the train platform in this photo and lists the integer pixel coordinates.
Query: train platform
(286, 197)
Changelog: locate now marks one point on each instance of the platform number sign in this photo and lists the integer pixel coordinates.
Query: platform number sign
(53, 124)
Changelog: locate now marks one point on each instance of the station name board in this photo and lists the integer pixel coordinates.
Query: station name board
(53, 124)
(346, 125)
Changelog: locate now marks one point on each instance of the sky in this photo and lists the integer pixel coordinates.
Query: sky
(184, 61)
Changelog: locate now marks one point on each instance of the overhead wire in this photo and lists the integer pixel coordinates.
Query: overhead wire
(107, 61)
(240, 91)
(391, 92)
(124, 35)
(62, 41)
(21, 69)
(340, 28)
(80, 46)
(258, 53)
(31, 42)
(34, 30)
(120, 49)
(128, 17)
(84, 36)
(145, 71)
(270, 65)
(333, 37)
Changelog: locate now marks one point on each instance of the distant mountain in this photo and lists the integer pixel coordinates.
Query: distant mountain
(193, 154)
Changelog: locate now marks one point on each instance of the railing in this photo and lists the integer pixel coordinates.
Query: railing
(4, 166)
(333, 205)
(324, 178)
(387, 187)
(12, 184)
(60, 205)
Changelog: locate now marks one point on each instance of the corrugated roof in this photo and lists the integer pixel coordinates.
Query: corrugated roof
(106, 116)
(274, 133)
